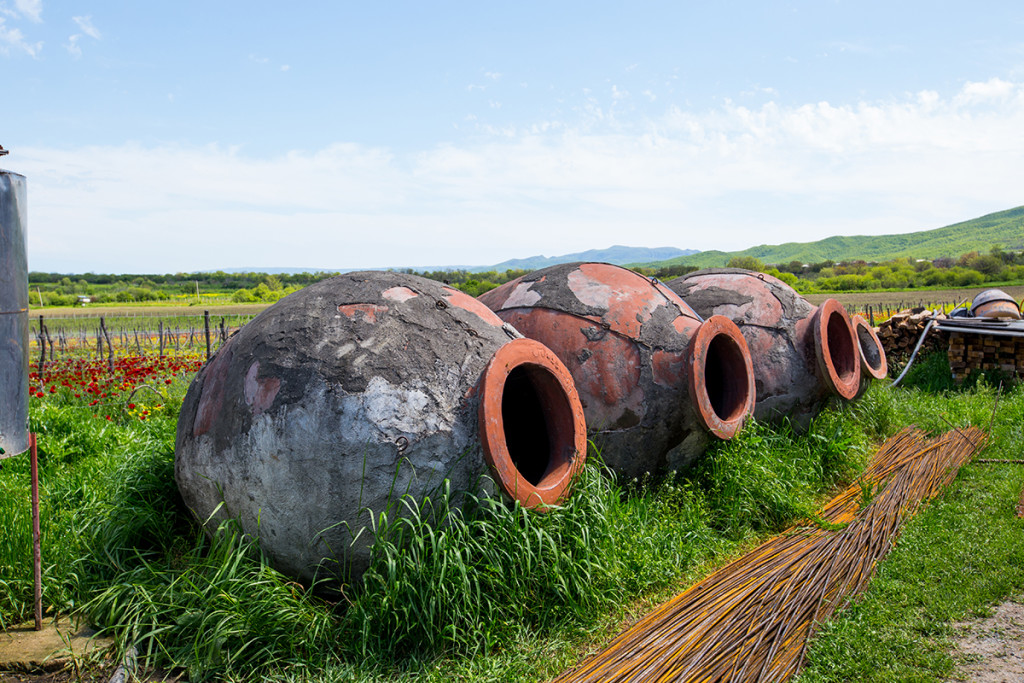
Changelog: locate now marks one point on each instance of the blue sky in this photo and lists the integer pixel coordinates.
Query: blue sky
(167, 137)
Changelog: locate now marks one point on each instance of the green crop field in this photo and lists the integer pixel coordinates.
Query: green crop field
(859, 302)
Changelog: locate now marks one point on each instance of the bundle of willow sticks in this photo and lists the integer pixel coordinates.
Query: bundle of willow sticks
(751, 620)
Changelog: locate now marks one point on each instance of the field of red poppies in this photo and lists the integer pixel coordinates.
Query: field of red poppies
(126, 386)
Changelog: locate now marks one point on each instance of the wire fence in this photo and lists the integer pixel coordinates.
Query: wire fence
(879, 312)
(101, 337)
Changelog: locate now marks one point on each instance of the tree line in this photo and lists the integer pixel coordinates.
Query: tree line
(972, 269)
(968, 270)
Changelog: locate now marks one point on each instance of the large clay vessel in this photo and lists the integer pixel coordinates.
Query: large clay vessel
(803, 355)
(339, 399)
(873, 364)
(655, 381)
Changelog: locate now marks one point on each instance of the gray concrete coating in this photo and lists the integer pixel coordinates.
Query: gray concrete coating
(328, 406)
(772, 317)
(625, 341)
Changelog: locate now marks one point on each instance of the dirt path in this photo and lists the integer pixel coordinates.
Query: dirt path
(992, 650)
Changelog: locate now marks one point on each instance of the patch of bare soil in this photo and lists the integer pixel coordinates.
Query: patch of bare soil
(992, 650)
(95, 673)
(68, 675)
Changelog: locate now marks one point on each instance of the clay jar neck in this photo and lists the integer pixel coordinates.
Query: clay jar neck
(721, 376)
(872, 355)
(532, 429)
(827, 335)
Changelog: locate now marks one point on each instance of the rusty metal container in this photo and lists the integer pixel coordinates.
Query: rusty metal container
(655, 381)
(803, 355)
(13, 315)
(995, 303)
(326, 408)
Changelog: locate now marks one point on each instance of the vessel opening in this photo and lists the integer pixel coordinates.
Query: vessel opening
(843, 356)
(725, 378)
(531, 424)
(528, 435)
(869, 348)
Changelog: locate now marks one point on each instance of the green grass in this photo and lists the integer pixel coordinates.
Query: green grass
(470, 589)
(957, 558)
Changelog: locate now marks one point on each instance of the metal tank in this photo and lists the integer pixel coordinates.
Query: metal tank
(995, 303)
(13, 316)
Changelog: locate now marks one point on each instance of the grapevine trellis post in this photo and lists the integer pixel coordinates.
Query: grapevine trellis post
(206, 326)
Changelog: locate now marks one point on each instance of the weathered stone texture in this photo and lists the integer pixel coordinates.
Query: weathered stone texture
(798, 359)
(628, 342)
(329, 405)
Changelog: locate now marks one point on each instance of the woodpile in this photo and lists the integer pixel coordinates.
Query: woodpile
(970, 352)
(899, 334)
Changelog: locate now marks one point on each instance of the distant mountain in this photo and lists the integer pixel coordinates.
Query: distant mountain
(1005, 228)
(279, 271)
(617, 254)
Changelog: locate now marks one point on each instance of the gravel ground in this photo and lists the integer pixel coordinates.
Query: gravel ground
(992, 650)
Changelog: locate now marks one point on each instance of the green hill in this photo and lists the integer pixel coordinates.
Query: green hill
(1005, 228)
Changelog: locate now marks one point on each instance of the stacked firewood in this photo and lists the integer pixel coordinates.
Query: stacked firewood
(968, 352)
(899, 334)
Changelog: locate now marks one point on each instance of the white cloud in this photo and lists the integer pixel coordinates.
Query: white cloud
(87, 27)
(14, 39)
(85, 24)
(72, 46)
(30, 9)
(992, 89)
(868, 49)
(266, 61)
(726, 178)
